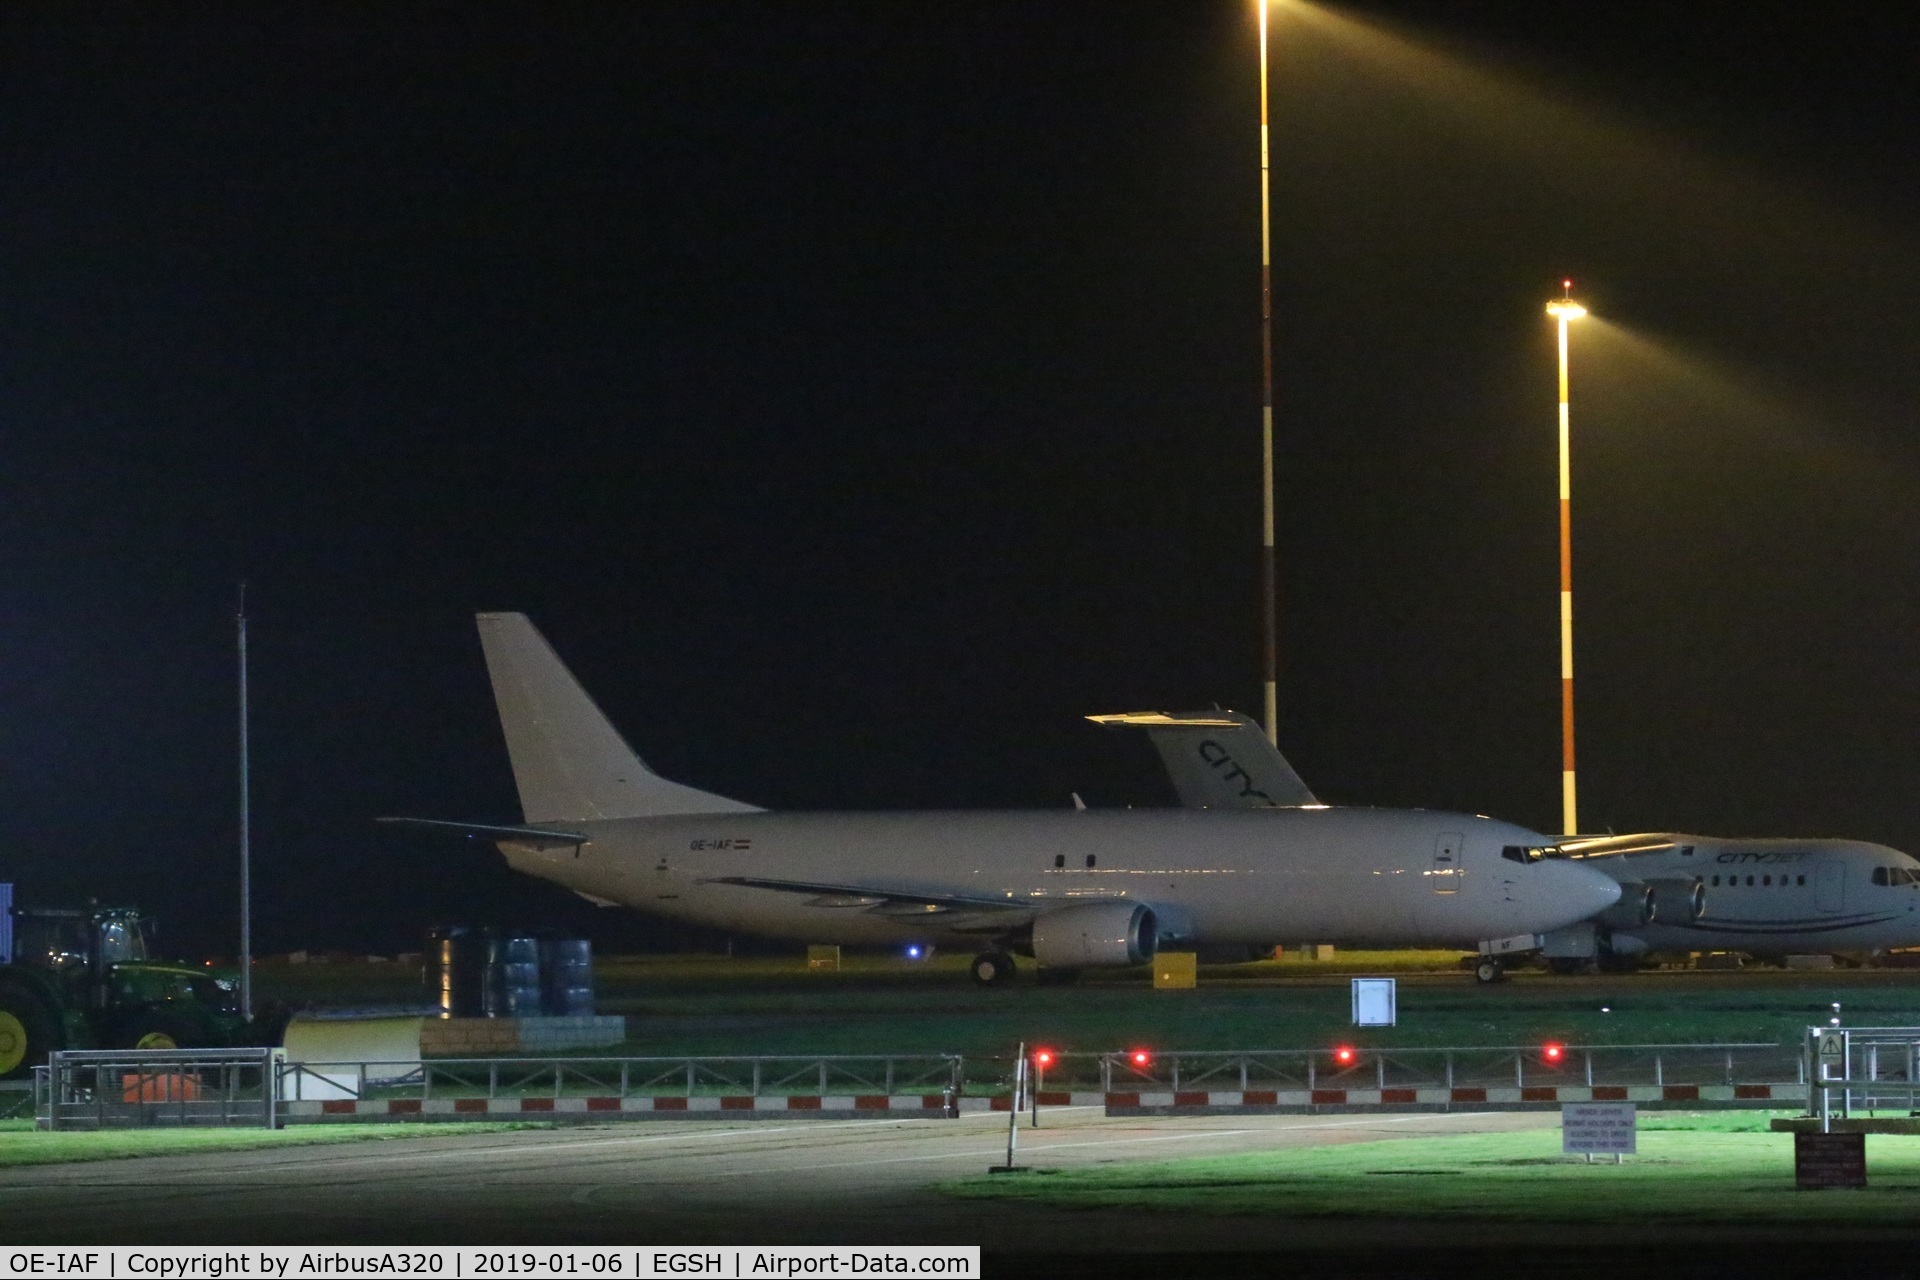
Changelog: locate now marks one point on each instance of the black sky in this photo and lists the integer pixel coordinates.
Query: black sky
(857, 394)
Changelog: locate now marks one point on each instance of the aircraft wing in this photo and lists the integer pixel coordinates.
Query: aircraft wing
(887, 902)
(533, 837)
(1618, 846)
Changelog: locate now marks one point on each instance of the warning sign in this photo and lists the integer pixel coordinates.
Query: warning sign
(1833, 1047)
(1598, 1128)
(1822, 1160)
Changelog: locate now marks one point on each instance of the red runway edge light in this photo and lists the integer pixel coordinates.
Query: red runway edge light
(1345, 1054)
(1553, 1053)
(1140, 1058)
(1043, 1058)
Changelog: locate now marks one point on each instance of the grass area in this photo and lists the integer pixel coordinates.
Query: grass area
(1715, 1163)
(705, 1004)
(21, 1143)
(709, 1005)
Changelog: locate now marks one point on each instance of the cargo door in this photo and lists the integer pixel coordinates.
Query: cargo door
(1446, 862)
(1830, 885)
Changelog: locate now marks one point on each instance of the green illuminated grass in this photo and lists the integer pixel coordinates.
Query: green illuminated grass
(713, 1005)
(709, 1005)
(1684, 1163)
(21, 1143)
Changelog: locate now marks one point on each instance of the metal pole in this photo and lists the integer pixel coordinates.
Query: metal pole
(1268, 572)
(246, 834)
(1013, 1107)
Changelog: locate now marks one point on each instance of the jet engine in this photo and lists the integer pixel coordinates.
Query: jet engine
(1096, 933)
(1634, 909)
(1677, 901)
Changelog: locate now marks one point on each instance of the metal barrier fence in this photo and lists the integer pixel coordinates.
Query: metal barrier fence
(1359, 1067)
(139, 1088)
(624, 1077)
(1861, 1069)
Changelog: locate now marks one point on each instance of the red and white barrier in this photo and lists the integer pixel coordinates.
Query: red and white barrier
(1118, 1103)
(720, 1107)
(1147, 1102)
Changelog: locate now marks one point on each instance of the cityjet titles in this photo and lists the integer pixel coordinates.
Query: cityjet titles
(1774, 857)
(1222, 762)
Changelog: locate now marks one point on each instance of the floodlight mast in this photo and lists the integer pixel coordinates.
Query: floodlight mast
(1564, 310)
(246, 824)
(1269, 586)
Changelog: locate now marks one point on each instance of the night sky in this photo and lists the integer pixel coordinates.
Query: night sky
(857, 394)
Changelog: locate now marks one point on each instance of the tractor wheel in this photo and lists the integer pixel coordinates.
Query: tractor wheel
(27, 1032)
(155, 1029)
(1489, 970)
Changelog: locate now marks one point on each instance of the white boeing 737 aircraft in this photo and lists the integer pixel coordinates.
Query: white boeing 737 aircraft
(1769, 897)
(1072, 889)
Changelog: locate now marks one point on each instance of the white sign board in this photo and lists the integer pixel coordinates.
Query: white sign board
(1597, 1128)
(1373, 1002)
(1833, 1048)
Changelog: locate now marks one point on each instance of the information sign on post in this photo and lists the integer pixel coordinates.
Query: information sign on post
(1373, 1002)
(1825, 1160)
(1598, 1128)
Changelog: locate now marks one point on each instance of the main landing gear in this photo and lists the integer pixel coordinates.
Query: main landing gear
(993, 969)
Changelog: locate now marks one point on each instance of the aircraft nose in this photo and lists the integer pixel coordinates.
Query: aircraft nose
(1582, 890)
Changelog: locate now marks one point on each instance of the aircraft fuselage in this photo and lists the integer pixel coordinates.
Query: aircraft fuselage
(1360, 877)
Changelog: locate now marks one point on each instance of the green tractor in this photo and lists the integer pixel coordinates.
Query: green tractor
(82, 980)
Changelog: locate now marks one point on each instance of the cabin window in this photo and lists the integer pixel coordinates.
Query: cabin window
(1686, 851)
(1059, 859)
(1090, 861)
(1716, 882)
(1749, 882)
(1799, 880)
(1766, 879)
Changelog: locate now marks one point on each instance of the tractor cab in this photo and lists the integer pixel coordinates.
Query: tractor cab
(80, 944)
(83, 978)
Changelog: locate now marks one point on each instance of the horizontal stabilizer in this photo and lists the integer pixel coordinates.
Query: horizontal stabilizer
(533, 837)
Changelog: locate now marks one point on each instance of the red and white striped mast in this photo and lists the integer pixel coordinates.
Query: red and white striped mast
(1564, 309)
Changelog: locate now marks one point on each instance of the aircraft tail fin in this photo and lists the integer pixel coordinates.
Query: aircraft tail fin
(569, 762)
(1218, 759)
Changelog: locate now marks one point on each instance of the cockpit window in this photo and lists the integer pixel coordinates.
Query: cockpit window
(1896, 875)
(1523, 853)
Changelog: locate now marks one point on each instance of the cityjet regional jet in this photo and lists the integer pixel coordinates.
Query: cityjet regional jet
(1770, 897)
(1071, 888)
